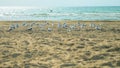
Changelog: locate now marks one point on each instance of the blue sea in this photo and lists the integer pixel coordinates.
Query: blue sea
(104, 13)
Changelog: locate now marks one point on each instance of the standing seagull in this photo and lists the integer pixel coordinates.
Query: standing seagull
(49, 29)
(59, 25)
(52, 24)
(98, 28)
(64, 25)
(92, 25)
(24, 24)
(29, 29)
(16, 25)
(11, 28)
(82, 25)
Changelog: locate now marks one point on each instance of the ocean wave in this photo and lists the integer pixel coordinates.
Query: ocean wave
(71, 14)
(60, 14)
(63, 14)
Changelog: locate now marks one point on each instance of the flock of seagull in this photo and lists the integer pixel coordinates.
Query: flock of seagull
(68, 27)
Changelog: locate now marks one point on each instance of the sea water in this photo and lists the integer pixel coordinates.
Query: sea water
(104, 13)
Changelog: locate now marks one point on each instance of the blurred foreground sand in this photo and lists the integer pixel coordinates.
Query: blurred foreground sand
(87, 48)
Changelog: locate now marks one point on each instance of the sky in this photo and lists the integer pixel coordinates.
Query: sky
(57, 3)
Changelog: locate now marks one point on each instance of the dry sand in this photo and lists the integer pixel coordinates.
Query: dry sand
(87, 48)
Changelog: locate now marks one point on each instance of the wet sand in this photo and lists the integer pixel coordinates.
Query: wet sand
(84, 48)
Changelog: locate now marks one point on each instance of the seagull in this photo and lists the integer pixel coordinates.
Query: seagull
(52, 24)
(72, 27)
(49, 29)
(68, 30)
(64, 25)
(17, 25)
(98, 28)
(82, 25)
(24, 24)
(10, 29)
(12, 26)
(92, 25)
(59, 25)
(32, 24)
(78, 23)
(29, 29)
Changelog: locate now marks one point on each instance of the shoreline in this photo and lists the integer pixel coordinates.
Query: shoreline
(55, 20)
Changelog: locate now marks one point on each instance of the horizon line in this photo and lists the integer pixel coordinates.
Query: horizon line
(56, 6)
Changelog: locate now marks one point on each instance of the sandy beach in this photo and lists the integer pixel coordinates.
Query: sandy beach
(60, 48)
